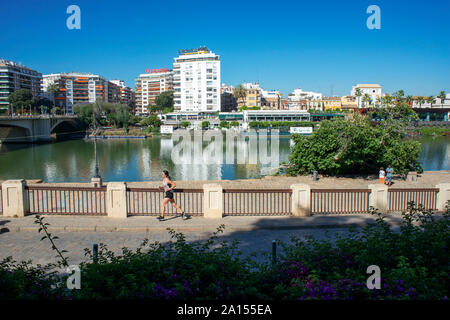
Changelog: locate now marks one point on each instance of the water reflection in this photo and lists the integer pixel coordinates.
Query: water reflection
(143, 160)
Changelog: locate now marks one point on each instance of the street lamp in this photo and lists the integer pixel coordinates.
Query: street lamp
(96, 180)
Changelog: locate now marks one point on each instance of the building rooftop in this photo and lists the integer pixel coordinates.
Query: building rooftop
(368, 86)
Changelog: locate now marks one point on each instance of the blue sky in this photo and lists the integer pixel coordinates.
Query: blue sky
(316, 45)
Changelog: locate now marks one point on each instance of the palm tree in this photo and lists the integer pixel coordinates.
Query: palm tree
(409, 99)
(442, 96)
(399, 95)
(240, 93)
(367, 100)
(420, 100)
(431, 100)
(358, 95)
(54, 89)
(388, 100)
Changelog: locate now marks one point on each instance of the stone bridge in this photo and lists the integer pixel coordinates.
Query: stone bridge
(26, 129)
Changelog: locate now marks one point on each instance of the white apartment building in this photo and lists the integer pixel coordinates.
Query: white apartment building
(151, 84)
(373, 90)
(76, 88)
(299, 94)
(197, 81)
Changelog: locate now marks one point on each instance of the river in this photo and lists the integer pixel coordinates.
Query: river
(143, 160)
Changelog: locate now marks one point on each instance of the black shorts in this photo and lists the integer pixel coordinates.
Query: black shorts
(168, 194)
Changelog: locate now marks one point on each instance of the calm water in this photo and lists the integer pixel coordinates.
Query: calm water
(143, 160)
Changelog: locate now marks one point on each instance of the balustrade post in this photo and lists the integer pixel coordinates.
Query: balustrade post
(443, 196)
(14, 198)
(213, 201)
(301, 200)
(379, 197)
(116, 199)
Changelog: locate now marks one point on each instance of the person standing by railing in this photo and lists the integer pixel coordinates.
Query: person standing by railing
(389, 173)
(382, 175)
(168, 186)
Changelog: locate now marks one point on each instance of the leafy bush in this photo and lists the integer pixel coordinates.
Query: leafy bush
(344, 147)
(413, 261)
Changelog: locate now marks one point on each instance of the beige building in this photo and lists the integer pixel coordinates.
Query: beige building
(253, 97)
(149, 86)
(349, 103)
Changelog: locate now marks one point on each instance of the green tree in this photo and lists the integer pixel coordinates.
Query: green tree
(163, 101)
(53, 89)
(151, 121)
(442, 96)
(205, 124)
(20, 100)
(123, 115)
(234, 123)
(367, 100)
(224, 124)
(240, 93)
(358, 95)
(185, 124)
(420, 100)
(349, 147)
(409, 100)
(431, 100)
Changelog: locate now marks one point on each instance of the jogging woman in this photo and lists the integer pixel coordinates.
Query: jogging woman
(168, 186)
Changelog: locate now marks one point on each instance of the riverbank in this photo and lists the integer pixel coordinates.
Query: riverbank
(428, 179)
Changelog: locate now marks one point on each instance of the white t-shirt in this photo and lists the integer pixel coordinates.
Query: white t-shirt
(382, 174)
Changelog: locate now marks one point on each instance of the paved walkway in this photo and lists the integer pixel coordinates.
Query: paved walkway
(194, 224)
(20, 239)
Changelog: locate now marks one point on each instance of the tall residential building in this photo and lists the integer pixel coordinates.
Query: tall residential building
(373, 90)
(126, 93)
(14, 76)
(253, 97)
(197, 81)
(149, 85)
(79, 88)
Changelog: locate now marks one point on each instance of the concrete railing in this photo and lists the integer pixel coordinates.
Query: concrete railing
(116, 200)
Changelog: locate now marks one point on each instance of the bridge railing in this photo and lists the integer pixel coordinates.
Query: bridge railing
(257, 202)
(398, 199)
(147, 201)
(324, 201)
(118, 200)
(66, 200)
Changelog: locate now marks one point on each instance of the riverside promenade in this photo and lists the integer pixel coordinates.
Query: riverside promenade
(19, 237)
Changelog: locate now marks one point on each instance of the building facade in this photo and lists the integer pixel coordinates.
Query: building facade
(253, 95)
(373, 90)
(150, 85)
(79, 88)
(197, 81)
(349, 103)
(270, 99)
(14, 76)
(126, 93)
(324, 104)
(227, 100)
(300, 95)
